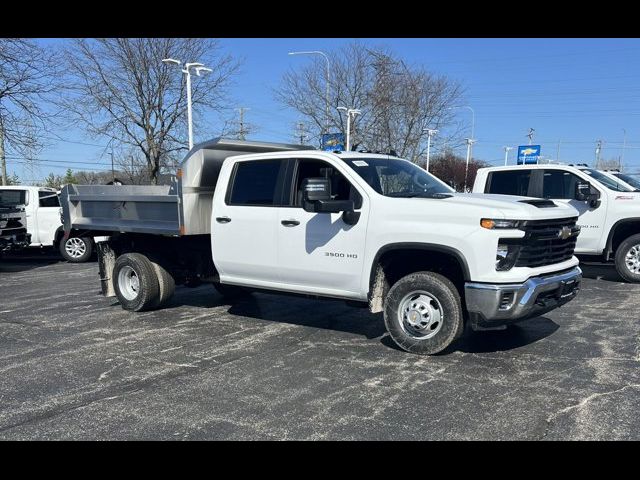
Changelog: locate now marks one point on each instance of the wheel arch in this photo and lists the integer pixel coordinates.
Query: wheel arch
(620, 230)
(391, 263)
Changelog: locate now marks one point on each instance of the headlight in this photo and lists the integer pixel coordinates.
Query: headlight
(506, 256)
(492, 224)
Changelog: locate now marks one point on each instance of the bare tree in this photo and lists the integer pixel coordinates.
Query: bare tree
(26, 70)
(398, 101)
(120, 89)
(450, 168)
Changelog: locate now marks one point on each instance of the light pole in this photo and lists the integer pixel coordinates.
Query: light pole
(470, 141)
(624, 145)
(430, 132)
(350, 111)
(473, 119)
(506, 154)
(326, 98)
(198, 67)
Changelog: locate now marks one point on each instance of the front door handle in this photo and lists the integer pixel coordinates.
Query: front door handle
(223, 219)
(290, 223)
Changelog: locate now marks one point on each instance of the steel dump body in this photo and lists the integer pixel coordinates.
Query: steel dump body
(182, 208)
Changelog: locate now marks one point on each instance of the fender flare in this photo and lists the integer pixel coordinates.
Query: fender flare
(419, 246)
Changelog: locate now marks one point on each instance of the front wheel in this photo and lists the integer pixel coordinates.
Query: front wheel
(423, 313)
(628, 259)
(76, 249)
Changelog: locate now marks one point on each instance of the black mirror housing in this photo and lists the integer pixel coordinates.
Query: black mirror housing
(583, 191)
(316, 189)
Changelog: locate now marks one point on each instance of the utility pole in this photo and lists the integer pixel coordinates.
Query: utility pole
(624, 145)
(301, 132)
(598, 150)
(530, 135)
(470, 141)
(241, 130)
(430, 132)
(506, 154)
(558, 151)
(3, 160)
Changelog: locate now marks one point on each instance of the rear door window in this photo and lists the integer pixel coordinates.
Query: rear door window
(48, 199)
(257, 183)
(509, 182)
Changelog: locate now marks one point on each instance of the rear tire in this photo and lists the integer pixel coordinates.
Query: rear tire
(423, 313)
(166, 283)
(76, 249)
(628, 259)
(136, 282)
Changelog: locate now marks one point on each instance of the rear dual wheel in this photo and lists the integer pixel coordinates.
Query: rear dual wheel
(141, 283)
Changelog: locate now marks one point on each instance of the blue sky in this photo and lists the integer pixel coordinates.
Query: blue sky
(572, 91)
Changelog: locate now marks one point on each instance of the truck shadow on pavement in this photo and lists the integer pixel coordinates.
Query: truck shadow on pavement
(602, 271)
(14, 262)
(336, 315)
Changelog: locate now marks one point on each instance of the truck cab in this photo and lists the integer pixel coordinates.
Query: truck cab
(609, 209)
(372, 229)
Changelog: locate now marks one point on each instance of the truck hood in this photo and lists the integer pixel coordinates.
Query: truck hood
(510, 207)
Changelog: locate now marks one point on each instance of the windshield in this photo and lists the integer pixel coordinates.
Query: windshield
(631, 180)
(397, 178)
(11, 198)
(606, 180)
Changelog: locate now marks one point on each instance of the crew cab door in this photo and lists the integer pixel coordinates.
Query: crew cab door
(47, 216)
(319, 251)
(559, 185)
(245, 219)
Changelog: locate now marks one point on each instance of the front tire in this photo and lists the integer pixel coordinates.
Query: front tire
(628, 259)
(423, 313)
(136, 282)
(76, 249)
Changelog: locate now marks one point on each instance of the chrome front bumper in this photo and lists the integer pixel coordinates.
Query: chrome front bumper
(498, 304)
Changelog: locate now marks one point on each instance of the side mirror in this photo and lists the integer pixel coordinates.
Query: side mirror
(316, 198)
(585, 192)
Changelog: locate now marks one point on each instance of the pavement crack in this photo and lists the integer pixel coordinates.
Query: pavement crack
(578, 406)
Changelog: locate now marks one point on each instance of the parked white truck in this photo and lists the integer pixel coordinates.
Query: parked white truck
(363, 227)
(44, 223)
(13, 222)
(609, 210)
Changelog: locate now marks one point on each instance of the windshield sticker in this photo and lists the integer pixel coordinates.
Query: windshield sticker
(360, 163)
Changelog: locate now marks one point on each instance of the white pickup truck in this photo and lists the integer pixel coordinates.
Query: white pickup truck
(609, 209)
(42, 207)
(363, 227)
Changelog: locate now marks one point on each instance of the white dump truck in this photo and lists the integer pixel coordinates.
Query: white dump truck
(367, 228)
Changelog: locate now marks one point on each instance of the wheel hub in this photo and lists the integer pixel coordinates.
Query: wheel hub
(75, 247)
(632, 259)
(421, 315)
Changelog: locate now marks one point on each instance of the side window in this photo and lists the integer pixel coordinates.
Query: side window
(48, 199)
(341, 188)
(559, 185)
(509, 182)
(256, 183)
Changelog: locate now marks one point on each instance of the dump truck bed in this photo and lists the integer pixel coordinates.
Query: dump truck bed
(182, 208)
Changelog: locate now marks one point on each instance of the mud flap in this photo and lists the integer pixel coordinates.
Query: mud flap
(106, 262)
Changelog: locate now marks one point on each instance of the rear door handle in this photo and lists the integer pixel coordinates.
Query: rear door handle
(290, 223)
(223, 219)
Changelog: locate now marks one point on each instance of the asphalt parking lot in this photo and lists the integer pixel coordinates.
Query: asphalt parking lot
(74, 365)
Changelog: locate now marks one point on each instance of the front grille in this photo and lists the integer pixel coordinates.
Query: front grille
(542, 244)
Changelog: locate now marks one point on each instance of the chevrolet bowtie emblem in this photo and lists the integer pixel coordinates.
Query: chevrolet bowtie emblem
(564, 233)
